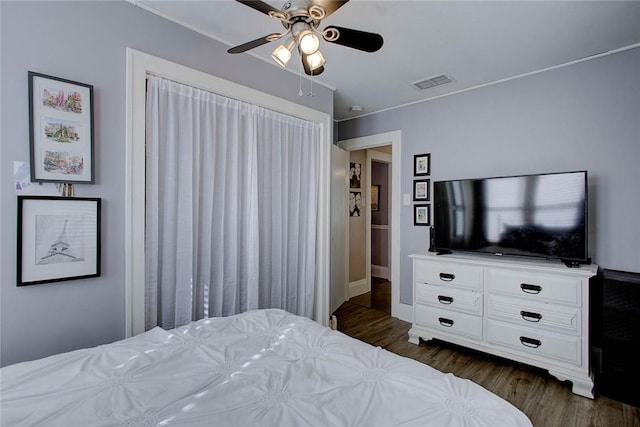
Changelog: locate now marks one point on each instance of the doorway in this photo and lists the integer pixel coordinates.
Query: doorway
(368, 268)
(393, 139)
(379, 163)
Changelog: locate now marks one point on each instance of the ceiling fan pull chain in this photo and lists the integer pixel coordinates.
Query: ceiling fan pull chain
(311, 86)
(300, 93)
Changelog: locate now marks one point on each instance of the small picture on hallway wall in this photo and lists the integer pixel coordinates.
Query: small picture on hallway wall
(421, 164)
(375, 189)
(421, 190)
(355, 172)
(421, 215)
(58, 239)
(355, 203)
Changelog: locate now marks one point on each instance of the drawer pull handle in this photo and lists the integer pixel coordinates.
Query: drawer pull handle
(445, 300)
(530, 342)
(530, 289)
(530, 316)
(447, 277)
(445, 322)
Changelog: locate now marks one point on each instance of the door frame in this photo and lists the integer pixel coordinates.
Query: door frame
(393, 138)
(139, 66)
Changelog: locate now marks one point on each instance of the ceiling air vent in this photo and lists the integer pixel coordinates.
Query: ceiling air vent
(432, 82)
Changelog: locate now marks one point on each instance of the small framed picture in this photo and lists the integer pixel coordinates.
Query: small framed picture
(58, 239)
(421, 190)
(421, 164)
(355, 203)
(355, 174)
(375, 189)
(421, 215)
(60, 130)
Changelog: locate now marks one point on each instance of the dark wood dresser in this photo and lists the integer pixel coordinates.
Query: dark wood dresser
(620, 337)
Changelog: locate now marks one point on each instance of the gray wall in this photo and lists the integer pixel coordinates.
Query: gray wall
(86, 42)
(380, 176)
(581, 117)
(380, 238)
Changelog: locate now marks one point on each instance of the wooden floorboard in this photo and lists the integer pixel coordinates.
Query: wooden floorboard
(544, 399)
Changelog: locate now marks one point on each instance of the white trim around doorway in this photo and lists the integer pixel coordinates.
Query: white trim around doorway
(139, 66)
(393, 138)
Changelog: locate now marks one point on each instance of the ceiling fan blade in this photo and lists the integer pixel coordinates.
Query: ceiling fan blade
(307, 69)
(258, 5)
(329, 6)
(254, 43)
(355, 39)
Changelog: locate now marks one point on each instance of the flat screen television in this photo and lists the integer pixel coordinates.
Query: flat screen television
(541, 215)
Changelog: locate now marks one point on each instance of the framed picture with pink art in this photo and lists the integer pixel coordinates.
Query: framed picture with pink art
(60, 130)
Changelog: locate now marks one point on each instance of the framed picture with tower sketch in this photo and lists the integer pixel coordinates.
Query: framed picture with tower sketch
(58, 239)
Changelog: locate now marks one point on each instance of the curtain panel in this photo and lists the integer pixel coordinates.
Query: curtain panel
(231, 207)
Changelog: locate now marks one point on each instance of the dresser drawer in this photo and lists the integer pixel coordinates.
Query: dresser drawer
(449, 298)
(551, 317)
(535, 287)
(537, 343)
(448, 274)
(450, 322)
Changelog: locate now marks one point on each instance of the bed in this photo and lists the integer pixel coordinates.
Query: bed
(260, 368)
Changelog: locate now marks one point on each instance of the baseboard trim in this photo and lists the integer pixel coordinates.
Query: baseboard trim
(403, 312)
(380, 271)
(358, 287)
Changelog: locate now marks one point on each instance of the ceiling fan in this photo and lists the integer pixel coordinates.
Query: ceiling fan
(301, 19)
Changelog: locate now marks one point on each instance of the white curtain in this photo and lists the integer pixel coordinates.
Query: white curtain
(231, 207)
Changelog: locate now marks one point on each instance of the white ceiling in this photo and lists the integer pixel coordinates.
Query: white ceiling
(473, 42)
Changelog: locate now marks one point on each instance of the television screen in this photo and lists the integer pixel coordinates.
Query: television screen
(532, 215)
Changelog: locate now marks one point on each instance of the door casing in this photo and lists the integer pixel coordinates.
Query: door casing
(393, 138)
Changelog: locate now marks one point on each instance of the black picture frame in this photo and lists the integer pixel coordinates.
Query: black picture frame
(422, 164)
(421, 190)
(355, 175)
(61, 130)
(422, 215)
(356, 204)
(58, 239)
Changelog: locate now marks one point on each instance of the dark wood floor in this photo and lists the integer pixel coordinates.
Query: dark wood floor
(545, 400)
(379, 297)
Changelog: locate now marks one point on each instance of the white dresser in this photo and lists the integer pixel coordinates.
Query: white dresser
(534, 312)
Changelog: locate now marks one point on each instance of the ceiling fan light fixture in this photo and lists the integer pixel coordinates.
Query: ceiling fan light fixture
(301, 20)
(309, 42)
(315, 60)
(282, 54)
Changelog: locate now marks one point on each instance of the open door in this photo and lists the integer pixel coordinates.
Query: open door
(339, 228)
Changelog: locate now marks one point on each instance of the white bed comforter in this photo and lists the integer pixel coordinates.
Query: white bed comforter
(261, 368)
